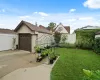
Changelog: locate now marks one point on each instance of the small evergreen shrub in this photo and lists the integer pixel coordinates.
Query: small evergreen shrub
(97, 45)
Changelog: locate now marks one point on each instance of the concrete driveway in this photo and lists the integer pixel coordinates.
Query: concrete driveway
(12, 60)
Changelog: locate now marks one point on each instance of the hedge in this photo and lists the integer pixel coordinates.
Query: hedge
(85, 38)
(97, 45)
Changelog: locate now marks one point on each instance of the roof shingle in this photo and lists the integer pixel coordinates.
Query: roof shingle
(33, 27)
(7, 31)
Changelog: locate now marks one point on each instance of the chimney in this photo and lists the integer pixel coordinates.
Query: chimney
(36, 24)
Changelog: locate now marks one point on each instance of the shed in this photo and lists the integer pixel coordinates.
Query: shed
(28, 34)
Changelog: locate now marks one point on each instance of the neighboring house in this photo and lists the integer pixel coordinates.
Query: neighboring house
(97, 34)
(90, 27)
(62, 29)
(30, 35)
(7, 39)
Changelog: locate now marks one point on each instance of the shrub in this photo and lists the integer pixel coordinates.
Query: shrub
(45, 52)
(85, 38)
(91, 75)
(67, 45)
(51, 55)
(57, 37)
(37, 49)
(97, 45)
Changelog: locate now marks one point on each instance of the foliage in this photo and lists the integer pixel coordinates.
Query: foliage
(71, 62)
(37, 48)
(85, 38)
(64, 37)
(97, 45)
(51, 55)
(45, 52)
(67, 45)
(51, 26)
(91, 75)
(57, 37)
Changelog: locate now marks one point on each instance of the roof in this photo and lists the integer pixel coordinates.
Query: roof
(90, 27)
(7, 31)
(97, 33)
(67, 28)
(40, 26)
(32, 27)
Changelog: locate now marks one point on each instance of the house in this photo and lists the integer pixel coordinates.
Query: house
(90, 27)
(7, 38)
(97, 34)
(30, 35)
(62, 29)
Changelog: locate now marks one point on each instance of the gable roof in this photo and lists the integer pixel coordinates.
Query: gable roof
(7, 31)
(66, 27)
(32, 27)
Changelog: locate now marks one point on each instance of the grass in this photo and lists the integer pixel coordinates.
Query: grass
(72, 62)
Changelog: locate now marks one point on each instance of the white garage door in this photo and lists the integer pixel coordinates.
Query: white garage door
(6, 41)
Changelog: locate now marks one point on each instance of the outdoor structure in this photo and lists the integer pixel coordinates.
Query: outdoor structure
(90, 27)
(62, 29)
(71, 38)
(97, 34)
(7, 39)
(30, 35)
(65, 32)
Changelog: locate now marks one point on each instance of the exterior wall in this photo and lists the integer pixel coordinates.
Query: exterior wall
(6, 41)
(34, 37)
(96, 36)
(44, 39)
(38, 38)
(71, 38)
(63, 30)
(24, 29)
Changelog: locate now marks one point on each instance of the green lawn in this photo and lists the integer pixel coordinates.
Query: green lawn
(72, 61)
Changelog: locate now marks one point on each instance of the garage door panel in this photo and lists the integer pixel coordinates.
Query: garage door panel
(25, 42)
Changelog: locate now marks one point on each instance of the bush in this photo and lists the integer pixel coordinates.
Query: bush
(45, 52)
(91, 75)
(37, 49)
(67, 45)
(85, 38)
(57, 37)
(97, 45)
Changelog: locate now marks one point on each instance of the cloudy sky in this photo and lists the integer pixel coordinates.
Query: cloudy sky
(74, 13)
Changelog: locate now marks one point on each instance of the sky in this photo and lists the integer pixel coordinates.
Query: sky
(73, 13)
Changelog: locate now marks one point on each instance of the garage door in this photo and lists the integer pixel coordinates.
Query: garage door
(25, 42)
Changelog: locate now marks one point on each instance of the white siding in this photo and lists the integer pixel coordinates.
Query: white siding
(6, 41)
(63, 30)
(24, 29)
(96, 36)
(71, 38)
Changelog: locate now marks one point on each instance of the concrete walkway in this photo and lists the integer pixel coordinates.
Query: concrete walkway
(13, 52)
(41, 72)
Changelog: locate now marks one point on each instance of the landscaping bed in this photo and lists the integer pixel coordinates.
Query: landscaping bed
(71, 63)
(46, 52)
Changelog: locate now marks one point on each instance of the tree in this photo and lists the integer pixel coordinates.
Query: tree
(51, 26)
(64, 37)
(57, 37)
